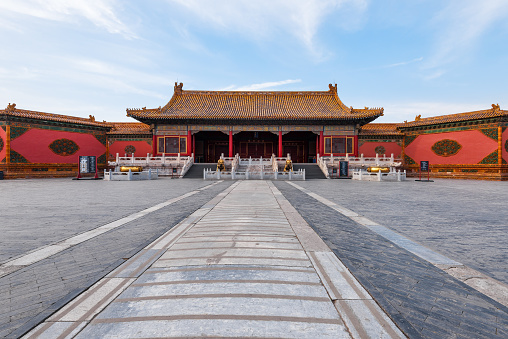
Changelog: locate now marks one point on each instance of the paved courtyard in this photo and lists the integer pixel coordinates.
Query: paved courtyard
(424, 254)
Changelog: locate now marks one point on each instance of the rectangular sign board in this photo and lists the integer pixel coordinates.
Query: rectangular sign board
(343, 169)
(424, 166)
(87, 164)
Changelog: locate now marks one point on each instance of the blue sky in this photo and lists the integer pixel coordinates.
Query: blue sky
(100, 57)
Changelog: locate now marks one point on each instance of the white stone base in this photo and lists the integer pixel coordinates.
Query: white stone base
(130, 176)
(378, 176)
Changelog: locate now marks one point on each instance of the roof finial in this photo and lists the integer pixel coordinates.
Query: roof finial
(333, 89)
(178, 88)
(495, 107)
(11, 107)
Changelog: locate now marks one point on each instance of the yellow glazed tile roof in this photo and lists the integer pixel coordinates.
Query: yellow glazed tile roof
(11, 110)
(493, 112)
(380, 129)
(254, 105)
(129, 128)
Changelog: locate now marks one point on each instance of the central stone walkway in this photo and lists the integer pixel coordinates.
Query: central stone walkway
(246, 264)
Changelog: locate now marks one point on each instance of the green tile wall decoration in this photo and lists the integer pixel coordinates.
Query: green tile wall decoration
(17, 131)
(490, 132)
(446, 147)
(409, 139)
(64, 147)
(408, 160)
(130, 149)
(380, 150)
(102, 138)
(490, 159)
(17, 158)
(101, 159)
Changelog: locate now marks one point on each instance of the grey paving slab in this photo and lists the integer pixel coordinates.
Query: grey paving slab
(235, 297)
(37, 213)
(422, 299)
(465, 220)
(38, 290)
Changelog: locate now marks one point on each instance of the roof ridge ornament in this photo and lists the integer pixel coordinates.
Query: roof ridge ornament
(495, 107)
(11, 107)
(178, 88)
(333, 89)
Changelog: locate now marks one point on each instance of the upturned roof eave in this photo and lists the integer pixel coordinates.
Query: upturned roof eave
(151, 120)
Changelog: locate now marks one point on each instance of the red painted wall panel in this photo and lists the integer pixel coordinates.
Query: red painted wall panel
(3, 135)
(505, 145)
(368, 149)
(142, 148)
(475, 147)
(34, 146)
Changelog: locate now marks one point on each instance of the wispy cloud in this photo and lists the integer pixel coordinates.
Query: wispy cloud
(264, 18)
(403, 63)
(262, 86)
(102, 13)
(460, 26)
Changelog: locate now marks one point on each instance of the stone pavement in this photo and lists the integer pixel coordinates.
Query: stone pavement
(423, 300)
(33, 292)
(465, 220)
(244, 265)
(144, 245)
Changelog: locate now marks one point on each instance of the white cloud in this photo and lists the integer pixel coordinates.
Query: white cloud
(264, 18)
(460, 26)
(403, 63)
(262, 86)
(100, 12)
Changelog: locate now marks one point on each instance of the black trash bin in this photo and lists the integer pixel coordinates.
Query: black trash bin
(1, 175)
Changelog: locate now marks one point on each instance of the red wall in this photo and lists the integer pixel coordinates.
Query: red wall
(505, 145)
(3, 135)
(142, 148)
(34, 146)
(475, 147)
(368, 149)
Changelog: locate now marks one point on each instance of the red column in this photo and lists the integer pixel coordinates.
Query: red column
(230, 144)
(355, 146)
(194, 144)
(280, 144)
(154, 145)
(189, 142)
(321, 144)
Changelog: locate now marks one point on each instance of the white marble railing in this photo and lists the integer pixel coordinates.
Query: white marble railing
(209, 174)
(253, 168)
(130, 176)
(393, 175)
(175, 166)
(328, 163)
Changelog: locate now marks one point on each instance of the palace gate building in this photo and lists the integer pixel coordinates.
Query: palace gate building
(472, 145)
(255, 124)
